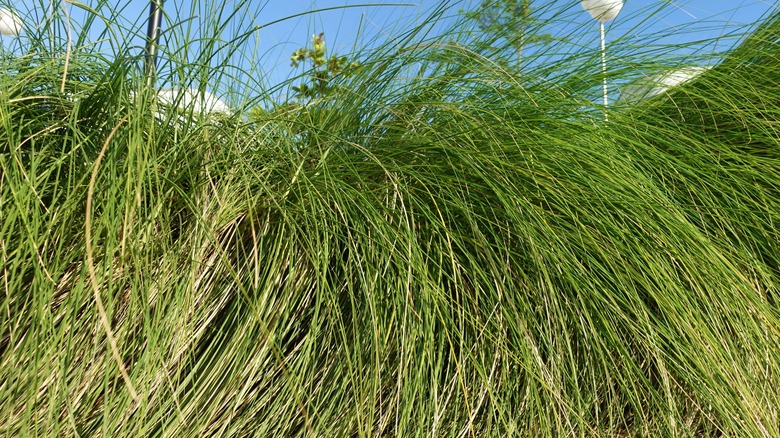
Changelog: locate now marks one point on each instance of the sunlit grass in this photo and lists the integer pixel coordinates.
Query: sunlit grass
(443, 248)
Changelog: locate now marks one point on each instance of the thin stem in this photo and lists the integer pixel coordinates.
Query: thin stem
(520, 49)
(525, 11)
(604, 70)
(68, 46)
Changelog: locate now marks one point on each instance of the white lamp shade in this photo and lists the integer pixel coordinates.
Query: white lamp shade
(199, 101)
(10, 23)
(602, 10)
(654, 85)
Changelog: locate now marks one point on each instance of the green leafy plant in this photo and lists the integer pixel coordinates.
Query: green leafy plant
(323, 72)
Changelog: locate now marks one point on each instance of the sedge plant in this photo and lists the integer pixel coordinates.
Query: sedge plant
(443, 247)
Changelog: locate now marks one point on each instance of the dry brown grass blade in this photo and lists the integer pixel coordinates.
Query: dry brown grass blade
(91, 266)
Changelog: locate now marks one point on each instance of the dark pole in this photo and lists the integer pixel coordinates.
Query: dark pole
(152, 37)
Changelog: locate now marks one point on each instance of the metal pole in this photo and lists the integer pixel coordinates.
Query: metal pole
(152, 37)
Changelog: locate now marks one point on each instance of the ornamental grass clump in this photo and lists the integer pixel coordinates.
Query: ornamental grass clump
(431, 249)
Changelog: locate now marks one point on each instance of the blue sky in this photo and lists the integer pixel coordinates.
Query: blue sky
(348, 28)
(354, 24)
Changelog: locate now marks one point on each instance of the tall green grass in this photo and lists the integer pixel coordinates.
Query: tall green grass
(442, 248)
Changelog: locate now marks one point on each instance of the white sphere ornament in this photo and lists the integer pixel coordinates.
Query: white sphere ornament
(602, 10)
(10, 23)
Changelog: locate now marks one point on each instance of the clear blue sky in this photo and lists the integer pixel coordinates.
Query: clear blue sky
(356, 25)
(351, 24)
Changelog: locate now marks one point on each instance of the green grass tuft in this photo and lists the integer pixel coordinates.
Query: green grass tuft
(441, 248)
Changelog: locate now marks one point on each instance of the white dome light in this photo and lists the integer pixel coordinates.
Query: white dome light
(602, 10)
(10, 23)
(198, 101)
(654, 85)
